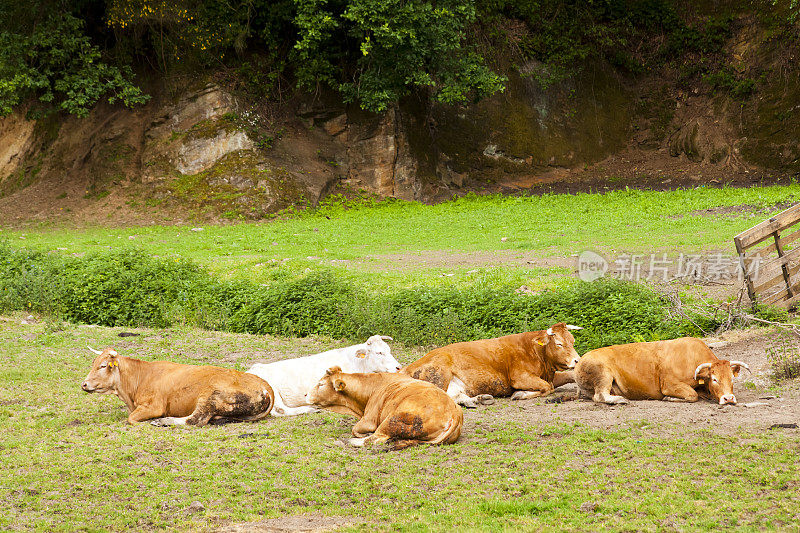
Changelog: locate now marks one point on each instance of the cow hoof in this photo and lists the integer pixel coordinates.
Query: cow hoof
(160, 422)
(357, 442)
(520, 395)
(484, 399)
(469, 405)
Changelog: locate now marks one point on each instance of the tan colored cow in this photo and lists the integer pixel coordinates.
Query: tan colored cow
(673, 370)
(175, 394)
(522, 366)
(391, 408)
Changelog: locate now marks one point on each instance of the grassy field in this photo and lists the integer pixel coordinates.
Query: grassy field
(355, 239)
(70, 462)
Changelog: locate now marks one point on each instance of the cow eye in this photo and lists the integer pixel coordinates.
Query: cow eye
(559, 344)
(714, 379)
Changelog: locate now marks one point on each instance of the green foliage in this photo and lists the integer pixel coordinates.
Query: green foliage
(131, 288)
(784, 358)
(726, 80)
(57, 63)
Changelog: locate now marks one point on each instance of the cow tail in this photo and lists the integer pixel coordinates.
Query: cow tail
(451, 431)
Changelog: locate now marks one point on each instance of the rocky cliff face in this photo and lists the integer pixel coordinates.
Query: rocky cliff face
(204, 153)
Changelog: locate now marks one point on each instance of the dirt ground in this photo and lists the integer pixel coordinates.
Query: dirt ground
(312, 523)
(760, 405)
(639, 169)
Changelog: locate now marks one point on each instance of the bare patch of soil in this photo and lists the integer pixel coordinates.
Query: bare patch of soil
(444, 259)
(735, 210)
(760, 405)
(315, 523)
(639, 169)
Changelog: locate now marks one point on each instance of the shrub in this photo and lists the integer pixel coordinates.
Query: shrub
(130, 288)
(784, 359)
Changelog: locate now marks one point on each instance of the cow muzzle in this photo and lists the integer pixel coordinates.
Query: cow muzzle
(726, 399)
(86, 387)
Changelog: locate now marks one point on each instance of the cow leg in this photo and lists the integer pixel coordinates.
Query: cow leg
(457, 390)
(528, 387)
(294, 411)
(678, 392)
(281, 409)
(144, 412)
(562, 378)
(364, 427)
(170, 421)
(358, 443)
(602, 390)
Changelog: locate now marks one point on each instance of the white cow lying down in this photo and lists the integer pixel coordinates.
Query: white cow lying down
(293, 378)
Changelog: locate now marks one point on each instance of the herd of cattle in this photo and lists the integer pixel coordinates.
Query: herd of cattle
(418, 403)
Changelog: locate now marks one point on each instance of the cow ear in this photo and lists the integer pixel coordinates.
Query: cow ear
(339, 385)
(112, 358)
(361, 353)
(550, 332)
(702, 373)
(737, 366)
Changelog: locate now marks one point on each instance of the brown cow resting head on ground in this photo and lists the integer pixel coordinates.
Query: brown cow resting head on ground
(392, 409)
(329, 393)
(718, 378)
(103, 378)
(560, 346)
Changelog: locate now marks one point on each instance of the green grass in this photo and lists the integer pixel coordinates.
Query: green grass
(548, 225)
(70, 462)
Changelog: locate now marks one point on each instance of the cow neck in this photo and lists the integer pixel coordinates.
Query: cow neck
(357, 397)
(131, 372)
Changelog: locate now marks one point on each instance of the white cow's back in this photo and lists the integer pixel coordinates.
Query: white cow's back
(293, 378)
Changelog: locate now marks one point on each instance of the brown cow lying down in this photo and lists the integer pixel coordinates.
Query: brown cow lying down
(664, 370)
(390, 407)
(521, 366)
(182, 394)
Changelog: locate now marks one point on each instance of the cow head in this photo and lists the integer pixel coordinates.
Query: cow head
(376, 356)
(718, 377)
(104, 376)
(329, 391)
(559, 346)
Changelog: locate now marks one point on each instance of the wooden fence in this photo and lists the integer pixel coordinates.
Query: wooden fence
(771, 270)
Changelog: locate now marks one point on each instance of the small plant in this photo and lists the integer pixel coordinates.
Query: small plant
(784, 359)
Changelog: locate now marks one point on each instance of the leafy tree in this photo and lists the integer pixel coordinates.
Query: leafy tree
(390, 48)
(56, 62)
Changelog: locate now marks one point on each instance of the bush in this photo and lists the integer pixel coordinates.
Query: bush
(784, 359)
(130, 288)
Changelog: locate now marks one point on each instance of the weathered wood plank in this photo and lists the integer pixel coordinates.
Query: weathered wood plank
(780, 294)
(789, 303)
(777, 262)
(784, 240)
(763, 231)
(761, 287)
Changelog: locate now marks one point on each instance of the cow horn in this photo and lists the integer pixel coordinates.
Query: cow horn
(386, 338)
(549, 331)
(98, 352)
(741, 365)
(701, 367)
(570, 326)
